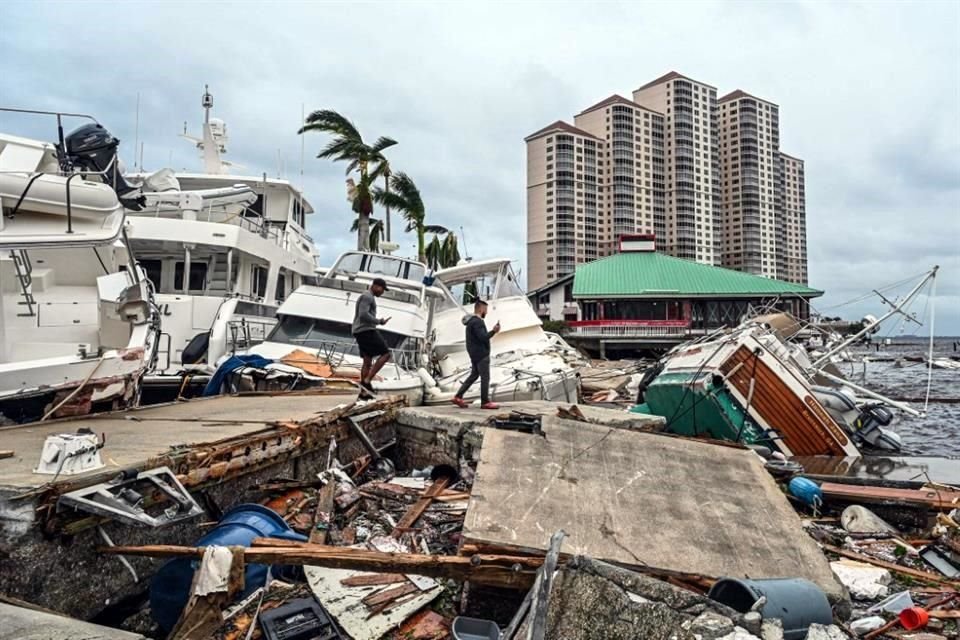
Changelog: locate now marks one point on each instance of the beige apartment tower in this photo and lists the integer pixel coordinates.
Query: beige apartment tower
(706, 176)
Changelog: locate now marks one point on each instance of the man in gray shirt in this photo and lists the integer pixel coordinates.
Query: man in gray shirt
(369, 341)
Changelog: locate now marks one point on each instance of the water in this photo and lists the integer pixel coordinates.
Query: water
(938, 432)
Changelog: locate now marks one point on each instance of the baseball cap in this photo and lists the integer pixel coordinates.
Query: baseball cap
(381, 282)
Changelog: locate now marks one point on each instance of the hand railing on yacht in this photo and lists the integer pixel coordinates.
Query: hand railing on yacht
(63, 162)
(244, 333)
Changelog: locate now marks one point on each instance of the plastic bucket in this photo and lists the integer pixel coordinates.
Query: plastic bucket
(798, 603)
(913, 618)
(170, 586)
(474, 629)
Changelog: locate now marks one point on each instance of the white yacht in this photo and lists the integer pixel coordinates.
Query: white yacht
(313, 342)
(78, 326)
(526, 363)
(222, 251)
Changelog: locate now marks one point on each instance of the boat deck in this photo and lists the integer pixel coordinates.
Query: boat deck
(135, 436)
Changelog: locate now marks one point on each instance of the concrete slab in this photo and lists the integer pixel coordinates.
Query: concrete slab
(18, 623)
(138, 435)
(640, 498)
(455, 420)
(448, 434)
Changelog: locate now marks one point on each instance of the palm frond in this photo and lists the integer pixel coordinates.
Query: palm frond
(381, 144)
(435, 228)
(329, 121)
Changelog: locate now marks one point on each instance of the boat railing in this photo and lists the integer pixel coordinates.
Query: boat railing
(244, 333)
(62, 161)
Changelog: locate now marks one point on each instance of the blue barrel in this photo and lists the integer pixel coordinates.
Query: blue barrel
(806, 490)
(170, 586)
(795, 601)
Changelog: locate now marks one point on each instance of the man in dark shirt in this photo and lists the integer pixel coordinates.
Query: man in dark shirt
(369, 341)
(478, 346)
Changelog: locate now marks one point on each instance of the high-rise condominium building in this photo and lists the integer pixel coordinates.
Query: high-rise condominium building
(794, 218)
(705, 176)
(693, 164)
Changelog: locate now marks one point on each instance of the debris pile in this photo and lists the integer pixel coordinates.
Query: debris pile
(903, 578)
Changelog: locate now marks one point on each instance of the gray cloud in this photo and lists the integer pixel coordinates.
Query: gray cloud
(869, 97)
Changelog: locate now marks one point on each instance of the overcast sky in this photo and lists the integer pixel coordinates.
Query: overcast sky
(869, 96)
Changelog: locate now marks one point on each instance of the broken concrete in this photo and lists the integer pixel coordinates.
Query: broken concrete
(447, 434)
(36, 542)
(18, 623)
(640, 499)
(592, 600)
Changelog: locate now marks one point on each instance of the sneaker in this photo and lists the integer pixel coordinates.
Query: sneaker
(490, 405)
(460, 402)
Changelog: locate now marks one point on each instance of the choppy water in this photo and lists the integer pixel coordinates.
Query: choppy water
(938, 432)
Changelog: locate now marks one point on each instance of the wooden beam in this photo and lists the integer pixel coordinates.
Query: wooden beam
(416, 510)
(498, 571)
(324, 513)
(941, 499)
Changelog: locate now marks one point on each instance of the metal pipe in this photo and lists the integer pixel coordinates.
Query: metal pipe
(186, 268)
(131, 258)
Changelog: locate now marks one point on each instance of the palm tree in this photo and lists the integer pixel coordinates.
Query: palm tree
(367, 160)
(406, 199)
(375, 235)
(443, 254)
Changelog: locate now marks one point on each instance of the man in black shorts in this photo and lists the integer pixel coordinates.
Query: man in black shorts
(369, 341)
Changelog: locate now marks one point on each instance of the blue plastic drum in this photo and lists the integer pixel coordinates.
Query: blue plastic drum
(170, 587)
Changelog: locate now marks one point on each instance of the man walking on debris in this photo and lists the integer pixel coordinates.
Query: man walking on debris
(369, 341)
(478, 346)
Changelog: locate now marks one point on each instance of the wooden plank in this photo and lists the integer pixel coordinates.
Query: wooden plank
(388, 595)
(373, 579)
(500, 571)
(324, 513)
(7, 454)
(416, 510)
(941, 499)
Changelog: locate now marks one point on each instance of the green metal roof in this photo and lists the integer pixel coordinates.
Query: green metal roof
(648, 274)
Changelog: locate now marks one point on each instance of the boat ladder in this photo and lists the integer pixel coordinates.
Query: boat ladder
(24, 269)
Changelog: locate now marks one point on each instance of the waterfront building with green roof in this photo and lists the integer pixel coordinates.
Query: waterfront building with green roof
(640, 299)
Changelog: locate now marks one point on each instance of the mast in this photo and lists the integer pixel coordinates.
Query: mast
(896, 309)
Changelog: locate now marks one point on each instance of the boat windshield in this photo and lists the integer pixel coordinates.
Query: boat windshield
(494, 283)
(380, 265)
(314, 333)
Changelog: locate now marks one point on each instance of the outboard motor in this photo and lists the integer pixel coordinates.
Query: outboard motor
(869, 428)
(93, 148)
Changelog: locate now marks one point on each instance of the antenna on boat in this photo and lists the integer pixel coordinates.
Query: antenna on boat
(136, 134)
(303, 141)
(466, 252)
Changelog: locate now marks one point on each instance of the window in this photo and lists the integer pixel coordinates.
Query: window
(258, 281)
(153, 269)
(198, 276)
(281, 287)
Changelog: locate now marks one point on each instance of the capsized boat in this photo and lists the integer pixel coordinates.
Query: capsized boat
(753, 384)
(312, 342)
(78, 324)
(526, 362)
